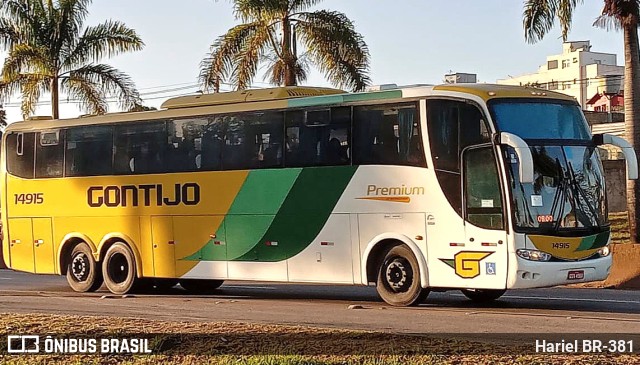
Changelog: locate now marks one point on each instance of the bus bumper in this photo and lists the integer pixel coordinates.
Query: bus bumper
(534, 274)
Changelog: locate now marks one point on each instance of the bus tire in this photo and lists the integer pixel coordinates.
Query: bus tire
(483, 295)
(119, 269)
(398, 281)
(197, 286)
(83, 272)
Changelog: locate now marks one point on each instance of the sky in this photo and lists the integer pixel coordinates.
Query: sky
(410, 42)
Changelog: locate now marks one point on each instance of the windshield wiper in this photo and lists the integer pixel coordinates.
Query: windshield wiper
(560, 191)
(576, 191)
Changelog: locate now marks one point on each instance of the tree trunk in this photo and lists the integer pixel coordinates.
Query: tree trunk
(631, 113)
(287, 52)
(55, 96)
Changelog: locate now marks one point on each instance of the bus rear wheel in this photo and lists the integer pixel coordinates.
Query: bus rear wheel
(197, 286)
(398, 281)
(119, 269)
(483, 295)
(83, 272)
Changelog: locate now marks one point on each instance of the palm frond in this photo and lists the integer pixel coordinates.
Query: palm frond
(607, 22)
(110, 80)
(25, 58)
(9, 34)
(277, 67)
(108, 39)
(302, 5)
(219, 64)
(337, 49)
(31, 89)
(623, 12)
(91, 95)
(565, 15)
(251, 10)
(538, 18)
(247, 59)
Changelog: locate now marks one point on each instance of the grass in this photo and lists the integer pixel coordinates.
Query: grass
(239, 343)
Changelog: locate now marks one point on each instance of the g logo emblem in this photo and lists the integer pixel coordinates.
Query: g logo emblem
(467, 263)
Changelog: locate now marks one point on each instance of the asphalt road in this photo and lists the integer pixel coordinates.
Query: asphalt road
(565, 310)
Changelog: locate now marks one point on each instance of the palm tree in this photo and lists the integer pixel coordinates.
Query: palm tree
(48, 51)
(271, 33)
(539, 17)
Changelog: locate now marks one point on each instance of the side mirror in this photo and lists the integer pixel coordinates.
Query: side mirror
(629, 154)
(524, 155)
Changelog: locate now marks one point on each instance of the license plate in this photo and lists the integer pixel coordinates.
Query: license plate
(575, 275)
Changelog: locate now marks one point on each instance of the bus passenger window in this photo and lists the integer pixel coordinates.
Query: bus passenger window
(20, 154)
(264, 131)
(318, 137)
(139, 148)
(193, 144)
(234, 149)
(387, 135)
(89, 150)
(49, 153)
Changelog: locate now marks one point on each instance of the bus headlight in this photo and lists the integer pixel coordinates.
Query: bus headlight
(604, 251)
(533, 255)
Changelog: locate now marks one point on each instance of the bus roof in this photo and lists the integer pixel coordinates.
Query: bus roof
(286, 97)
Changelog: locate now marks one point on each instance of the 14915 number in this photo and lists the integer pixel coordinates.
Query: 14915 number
(29, 198)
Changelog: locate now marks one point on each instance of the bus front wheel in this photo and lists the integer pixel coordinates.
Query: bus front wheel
(83, 272)
(483, 295)
(119, 268)
(398, 281)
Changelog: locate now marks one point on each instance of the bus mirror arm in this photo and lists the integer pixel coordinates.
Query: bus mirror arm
(524, 155)
(628, 151)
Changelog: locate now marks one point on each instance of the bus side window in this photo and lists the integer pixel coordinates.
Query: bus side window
(387, 135)
(49, 153)
(139, 148)
(89, 150)
(264, 132)
(190, 144)
(20, 154)
(319, 138)
(235, 154)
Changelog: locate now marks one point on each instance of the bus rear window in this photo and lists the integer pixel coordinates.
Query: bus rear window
(20, 150)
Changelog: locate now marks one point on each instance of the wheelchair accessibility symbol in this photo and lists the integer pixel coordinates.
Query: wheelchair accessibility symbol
(491, 268)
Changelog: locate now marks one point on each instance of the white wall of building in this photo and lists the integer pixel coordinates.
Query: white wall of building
(576, 71)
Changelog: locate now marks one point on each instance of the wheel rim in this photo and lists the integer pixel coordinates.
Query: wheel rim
(80, 267)
(398, 274)
(118, 268)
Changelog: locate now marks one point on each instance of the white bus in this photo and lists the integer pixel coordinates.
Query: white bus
(475, 187)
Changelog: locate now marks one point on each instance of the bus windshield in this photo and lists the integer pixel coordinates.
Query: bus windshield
(540, 119)
(568, 191)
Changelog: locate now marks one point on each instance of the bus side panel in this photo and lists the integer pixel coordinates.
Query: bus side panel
(197, 239)
(328, 258)
(20, 238)
(164, 258)
(146, 246)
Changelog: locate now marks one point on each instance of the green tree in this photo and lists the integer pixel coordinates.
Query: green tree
(50, 50)
(271, 33)
(539, 17)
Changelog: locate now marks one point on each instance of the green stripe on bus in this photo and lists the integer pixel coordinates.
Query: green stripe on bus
(593, 242)
(344, 98)
(303, 213)
(380, 95)
(250, 215)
